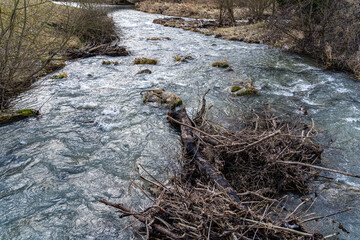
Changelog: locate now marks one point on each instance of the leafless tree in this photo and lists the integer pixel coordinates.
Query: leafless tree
(226, 12)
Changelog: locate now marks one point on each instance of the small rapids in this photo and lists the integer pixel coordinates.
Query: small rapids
(94, 128)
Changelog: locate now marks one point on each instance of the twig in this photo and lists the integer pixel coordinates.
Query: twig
(302, 203)
(257, 194)
(331, 235)
(318, 167)
(142, 219)
(330, 215)
(257, 142)
(193, 128)
(278, 227)
(153, 177)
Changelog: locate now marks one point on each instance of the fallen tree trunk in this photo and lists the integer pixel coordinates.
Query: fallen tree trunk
(9, 116)
(192, 151)
(104, 49)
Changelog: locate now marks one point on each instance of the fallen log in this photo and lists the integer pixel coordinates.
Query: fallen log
(192, 151)
(9, 116)
(104, 49)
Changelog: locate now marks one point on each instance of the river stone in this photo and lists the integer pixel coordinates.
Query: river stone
(147, 71)
(9, 116)
(167, 99)
(242, 89)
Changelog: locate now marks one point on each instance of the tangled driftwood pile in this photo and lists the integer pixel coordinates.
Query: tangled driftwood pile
(231, 181)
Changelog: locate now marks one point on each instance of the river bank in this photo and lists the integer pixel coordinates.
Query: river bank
(37, 38)
(250, 31)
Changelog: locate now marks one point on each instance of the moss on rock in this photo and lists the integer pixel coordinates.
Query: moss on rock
(145, 61)
(243, 89)
(60, 76)
(147, 71)
(9, 116)
(221, 64)
(246, 92)
(167, 99)
(158, 38)
(235, 88)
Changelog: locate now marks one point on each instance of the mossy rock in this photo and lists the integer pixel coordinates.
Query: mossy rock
(158, 38)
(243, 89)
(246, 92)
(147, 71)
(179, 58)
(160, 96)
(9, 116)
(145, 61)
(235, 88)
(221, 64)
(60, 76)
(110, 62)
(229, 70)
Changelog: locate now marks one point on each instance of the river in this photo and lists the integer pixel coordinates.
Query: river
(94, 127)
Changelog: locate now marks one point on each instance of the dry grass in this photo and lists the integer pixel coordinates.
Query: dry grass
(35, 37)
(193, 9)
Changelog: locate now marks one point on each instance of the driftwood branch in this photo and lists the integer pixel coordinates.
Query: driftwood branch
(141, 218)
(192, 152)
(320, 168)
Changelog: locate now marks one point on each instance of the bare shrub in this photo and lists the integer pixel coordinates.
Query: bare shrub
(92, 25)
(326, 29)
(258, 7)
(226, 12)
(34, 34)
(28, 43)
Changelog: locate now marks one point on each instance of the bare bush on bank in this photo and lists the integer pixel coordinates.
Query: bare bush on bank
(28, 43)
(326, 29)
(34, 35)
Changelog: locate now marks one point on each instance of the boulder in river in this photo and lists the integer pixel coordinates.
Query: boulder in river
(147, 71)
(243, 89)
(179, 58)
(221, 64)
(160, 96)
(9, 116)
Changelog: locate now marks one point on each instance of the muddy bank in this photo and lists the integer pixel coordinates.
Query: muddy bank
(254, 33)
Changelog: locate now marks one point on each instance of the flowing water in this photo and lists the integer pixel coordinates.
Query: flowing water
(94, 127)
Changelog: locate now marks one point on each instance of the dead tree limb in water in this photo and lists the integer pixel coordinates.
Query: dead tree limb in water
(141, 218)
(192, 151)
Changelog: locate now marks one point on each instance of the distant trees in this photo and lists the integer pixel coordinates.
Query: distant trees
(258, 7)
(226, 12)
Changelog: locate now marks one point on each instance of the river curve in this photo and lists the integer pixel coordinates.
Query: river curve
(94, 127)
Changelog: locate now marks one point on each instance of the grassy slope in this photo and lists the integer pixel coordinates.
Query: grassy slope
(42, 31)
